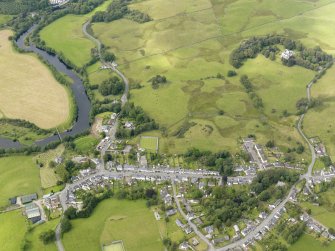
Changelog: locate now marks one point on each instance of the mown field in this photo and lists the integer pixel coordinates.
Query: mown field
(12, 230)
(65, 36)
(308, 243)
(189, 42)
(116, 220)
(19, 176)
(28, 90)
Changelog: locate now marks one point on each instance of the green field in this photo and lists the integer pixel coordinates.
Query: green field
(19, 176)
(189, 42)
(149, 143)
(317, 121)
(324, 213)
(65, 36)
(13, 228)
(117, 246)
(33, 236)
(5, 18)
(86, 144)
(116, 220)
(309, 243)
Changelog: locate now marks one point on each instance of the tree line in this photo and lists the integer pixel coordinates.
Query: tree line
(119, 9)
(249, 88)
(310, 58)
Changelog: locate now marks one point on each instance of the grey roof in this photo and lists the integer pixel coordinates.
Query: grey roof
(28, 198)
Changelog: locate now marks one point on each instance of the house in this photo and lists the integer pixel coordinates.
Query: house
(52, 202)
(287, 54)
(179, 223)
(59, 160)
(262, 215)
(32, 212)
(188, 229)
(236, 229)
(171, 212)
(183, 246)
(129, 125)
(218, 240)
(28, 198)
(260, 153)
(209, 229)
(194, 241)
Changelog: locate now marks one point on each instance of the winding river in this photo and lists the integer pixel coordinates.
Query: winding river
(83, 103)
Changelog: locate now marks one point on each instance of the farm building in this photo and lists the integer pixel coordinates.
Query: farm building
(28, 198)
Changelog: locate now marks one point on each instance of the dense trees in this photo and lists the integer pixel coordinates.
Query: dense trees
(66, 225)
(112, 86)
(119, 9)
(22, 6)
(142, 122)
(157, 81)
(220, 161)
(310, 58)
(48, 236)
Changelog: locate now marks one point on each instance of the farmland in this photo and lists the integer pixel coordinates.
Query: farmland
(66, 37)
(309, 243)
(114, 220)
(19, 175)
(21, 76)
(12, 230)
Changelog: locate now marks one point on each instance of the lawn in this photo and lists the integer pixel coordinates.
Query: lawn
(13, 228)
(149, 143)
(65, 36)
(116, 220)
(22, 75)
(19, 176)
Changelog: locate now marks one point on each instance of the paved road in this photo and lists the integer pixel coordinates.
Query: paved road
(192, 225)
(59, 243)
(96, 41)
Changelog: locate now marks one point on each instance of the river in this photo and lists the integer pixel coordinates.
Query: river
(83, 103)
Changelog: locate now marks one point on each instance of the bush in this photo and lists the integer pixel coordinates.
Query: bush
(48, 236)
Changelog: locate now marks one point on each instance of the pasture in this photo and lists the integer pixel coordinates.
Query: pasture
(48, 176)
(115, 246)
(33, 236)
(65, 36)
(114, 220)
(19, 175)
(13, 228)
(308, 243)
(28, 90)
(5, 18)
(317, 120)
(86, 144)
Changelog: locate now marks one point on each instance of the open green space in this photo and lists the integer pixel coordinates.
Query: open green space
(13, 226)
(114, 220)
(32, 237)
(149, 143)
(117, 246)
(325, 213)
(65, 36)
(5, 18)
(19, 176)
(318, 121)
(308, 243)
(86, 143)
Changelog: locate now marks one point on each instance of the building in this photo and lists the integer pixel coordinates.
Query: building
(28, 198)
(32, 212)
(52, 202)
(287, 54)
(260, 153)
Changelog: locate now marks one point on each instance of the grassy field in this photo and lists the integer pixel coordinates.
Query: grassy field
(19, 175)
(33, 236)
(149, 143)
(317, 120)
(308, 243)
(116, 220)
(22, 75)
(198, 96)
(86, 143)
(48, 176)
(324, 213)
(65, 36)
(5, 18)
(13, 228)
